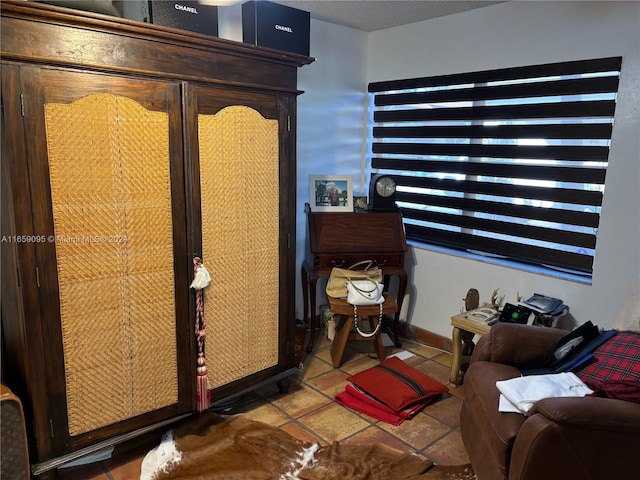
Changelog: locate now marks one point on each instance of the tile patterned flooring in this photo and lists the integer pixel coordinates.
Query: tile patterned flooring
(309, 412)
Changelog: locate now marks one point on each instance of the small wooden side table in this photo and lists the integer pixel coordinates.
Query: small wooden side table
(340, 306)
(464, 328)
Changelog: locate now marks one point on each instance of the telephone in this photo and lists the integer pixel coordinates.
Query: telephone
(516, 314)
(486, 314)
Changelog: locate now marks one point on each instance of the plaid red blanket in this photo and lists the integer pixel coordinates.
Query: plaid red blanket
(614, 370)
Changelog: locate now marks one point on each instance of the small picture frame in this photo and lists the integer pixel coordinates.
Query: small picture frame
(360, 203)
(331, 193)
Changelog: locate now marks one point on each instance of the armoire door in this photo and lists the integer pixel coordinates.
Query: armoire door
(243, 181)
(112, 340)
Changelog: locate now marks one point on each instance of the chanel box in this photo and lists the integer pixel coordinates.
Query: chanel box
(194, 16)
(276, 26)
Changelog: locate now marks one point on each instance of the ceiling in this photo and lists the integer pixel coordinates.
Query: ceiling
(380, 14)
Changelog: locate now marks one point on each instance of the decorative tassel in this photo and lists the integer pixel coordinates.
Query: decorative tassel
(201, 279)
(203, 395)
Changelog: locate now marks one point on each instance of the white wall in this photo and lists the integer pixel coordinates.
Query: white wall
(528, 33)
(230, 22)
(331, 119)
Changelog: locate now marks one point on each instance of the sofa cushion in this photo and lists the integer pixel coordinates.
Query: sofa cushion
(494, 432)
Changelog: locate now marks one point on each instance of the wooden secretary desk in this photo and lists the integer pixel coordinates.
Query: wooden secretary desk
(343, 238)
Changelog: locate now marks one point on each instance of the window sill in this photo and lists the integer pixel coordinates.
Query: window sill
(478, 257)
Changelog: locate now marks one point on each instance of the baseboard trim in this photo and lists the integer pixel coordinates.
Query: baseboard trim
(411, 332)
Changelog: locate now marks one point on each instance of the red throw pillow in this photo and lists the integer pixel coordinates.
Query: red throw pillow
(397, 384)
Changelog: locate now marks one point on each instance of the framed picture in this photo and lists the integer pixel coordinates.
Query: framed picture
(360, 203)
(331, 193)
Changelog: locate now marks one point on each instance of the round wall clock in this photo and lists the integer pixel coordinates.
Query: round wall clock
(382, 193)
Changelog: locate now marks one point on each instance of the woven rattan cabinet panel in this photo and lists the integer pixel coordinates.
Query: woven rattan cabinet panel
(245, 186)
(127, 149)
(114, 247)
(241, 242)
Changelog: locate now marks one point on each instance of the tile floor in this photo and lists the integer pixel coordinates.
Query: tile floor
(309, 412)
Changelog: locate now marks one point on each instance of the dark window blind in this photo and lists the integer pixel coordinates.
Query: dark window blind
(507, 163)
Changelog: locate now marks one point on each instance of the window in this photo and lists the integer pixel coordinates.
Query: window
(508, 163)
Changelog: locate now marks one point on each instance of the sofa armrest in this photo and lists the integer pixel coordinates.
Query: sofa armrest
(482, 350)
(578, 439)
(513, 343)
(604, 414)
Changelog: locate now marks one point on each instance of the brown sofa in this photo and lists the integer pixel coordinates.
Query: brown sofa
(562, 438)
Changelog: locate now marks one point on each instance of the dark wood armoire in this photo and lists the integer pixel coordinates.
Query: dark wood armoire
(128, 149)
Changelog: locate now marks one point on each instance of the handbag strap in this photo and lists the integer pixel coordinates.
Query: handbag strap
(368, 263)
(360, 332)
(362, 291)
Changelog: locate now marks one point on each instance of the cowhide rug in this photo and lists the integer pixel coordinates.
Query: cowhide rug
(211, 447)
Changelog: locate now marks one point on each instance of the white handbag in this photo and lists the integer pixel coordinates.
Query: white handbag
(365, 292)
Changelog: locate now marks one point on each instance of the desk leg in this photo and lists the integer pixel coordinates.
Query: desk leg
(454, 375)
